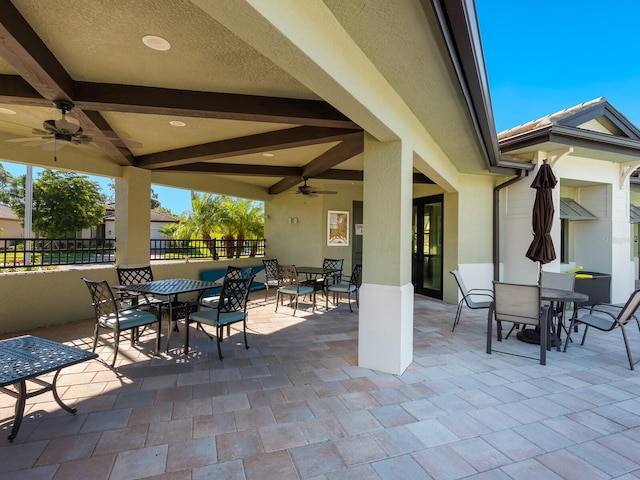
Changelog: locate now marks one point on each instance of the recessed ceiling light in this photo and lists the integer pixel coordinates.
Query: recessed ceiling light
(7, 111)
(267, 155)
(177, 123)
(155, 42)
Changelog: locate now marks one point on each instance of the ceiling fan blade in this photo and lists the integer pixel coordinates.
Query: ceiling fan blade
(324, 192)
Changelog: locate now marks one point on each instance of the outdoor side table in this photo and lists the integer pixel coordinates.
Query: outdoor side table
(27, 357)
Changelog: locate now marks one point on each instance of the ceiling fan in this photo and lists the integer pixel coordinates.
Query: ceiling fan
(63, 129)
(309, 191)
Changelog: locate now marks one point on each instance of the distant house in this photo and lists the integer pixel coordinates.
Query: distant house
(158, 220)
(10, 223)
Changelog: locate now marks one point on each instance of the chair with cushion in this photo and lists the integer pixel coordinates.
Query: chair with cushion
(351, 287)
(109, 315)
(475, 299)
(135, 275)
(292, 288)
(272, 274)
(606, 318)
(232, 273)
(231, 308)
(518, 304)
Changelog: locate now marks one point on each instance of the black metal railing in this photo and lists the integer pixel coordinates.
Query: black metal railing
(215, 249)
(21, 253)
(38, 252)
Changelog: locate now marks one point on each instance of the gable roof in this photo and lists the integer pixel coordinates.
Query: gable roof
(590, 127)
(7, 213)
(156, 217)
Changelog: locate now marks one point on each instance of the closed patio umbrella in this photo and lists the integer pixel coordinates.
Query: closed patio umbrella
(541, 249)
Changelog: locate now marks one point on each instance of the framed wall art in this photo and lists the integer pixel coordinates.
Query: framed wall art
(337, 228)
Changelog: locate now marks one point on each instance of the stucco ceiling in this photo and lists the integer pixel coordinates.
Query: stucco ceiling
(236, 104)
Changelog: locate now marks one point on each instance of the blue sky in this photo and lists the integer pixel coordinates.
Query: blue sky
(541, 57)
(544, 56)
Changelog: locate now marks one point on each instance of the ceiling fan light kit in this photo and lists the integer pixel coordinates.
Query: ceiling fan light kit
(309, 191)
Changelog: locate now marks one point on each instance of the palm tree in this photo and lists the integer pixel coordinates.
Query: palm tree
(202, 220)
(241, 218)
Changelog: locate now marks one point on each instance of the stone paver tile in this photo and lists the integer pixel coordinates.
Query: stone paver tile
(291, 412)
(100, 421)
(52, 427)
(442, 462)
(360, 449)
(432, 433)
(151, 414)
(254, 418)
(121, 439)
(135, 399)
(493, 418)
(230, 403)
(232, 446)
(140, 463)
(571, 429)
(392, 415)
(358, 422)
(317, 459)
(605, 459)
(45, 472)
(231, 470)
(265, 398)
(18, 456)
(321, 429)
(464, 425)
(399, 468)
(398, 440)
(327, 406)
(516, 447)
(531, 469)
(355, 401)
(100, 466)
(207, 425)
(208, 390)
(543, 436)
(191, 408)
(171, 431)
(191, 454)
(270, 465)
(569, 466)
(329, 389)
(275, 381)
(621, 444)
(357, 472)
(423, 409)
(282, 437)
(480, 454)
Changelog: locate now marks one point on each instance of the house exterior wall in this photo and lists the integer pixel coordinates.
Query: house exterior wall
(10, 228)
(601, 245)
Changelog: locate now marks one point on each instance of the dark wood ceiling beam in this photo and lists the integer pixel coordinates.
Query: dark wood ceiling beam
(95, 126)
(14, 90)
(27, 54)
(263, 171)
(188, 103)
(262, 142)
(332, 157)
(238, 169)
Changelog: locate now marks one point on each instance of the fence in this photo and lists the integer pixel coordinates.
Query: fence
(216, 249)
(18, 253)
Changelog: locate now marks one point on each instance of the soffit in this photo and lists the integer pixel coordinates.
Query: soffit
(404, 42)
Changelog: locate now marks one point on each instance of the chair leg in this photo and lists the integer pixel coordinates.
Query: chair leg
(489, 329)
(116, 341)
(244, 327)
(350, 309)
(95, 337)
(626, 344)
(277, 298)
(218, 334)
(457, 317)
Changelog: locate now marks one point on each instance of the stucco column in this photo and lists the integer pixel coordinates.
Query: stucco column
(133, 216)
(385, 340)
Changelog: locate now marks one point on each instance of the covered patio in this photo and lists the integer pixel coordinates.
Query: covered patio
(296, 405)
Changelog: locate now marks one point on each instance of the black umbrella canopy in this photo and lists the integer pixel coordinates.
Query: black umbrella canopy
(541, 248)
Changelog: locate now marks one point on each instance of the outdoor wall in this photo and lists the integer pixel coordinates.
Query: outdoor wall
(296, 226)
(601, 245)
(42, 298)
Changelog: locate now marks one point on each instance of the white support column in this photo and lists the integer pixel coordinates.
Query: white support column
(385, 341)
(133, 217)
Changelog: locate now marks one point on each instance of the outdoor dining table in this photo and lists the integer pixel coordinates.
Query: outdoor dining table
(312, 273)
(27, 357)
(554, 296)
(171, 288)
